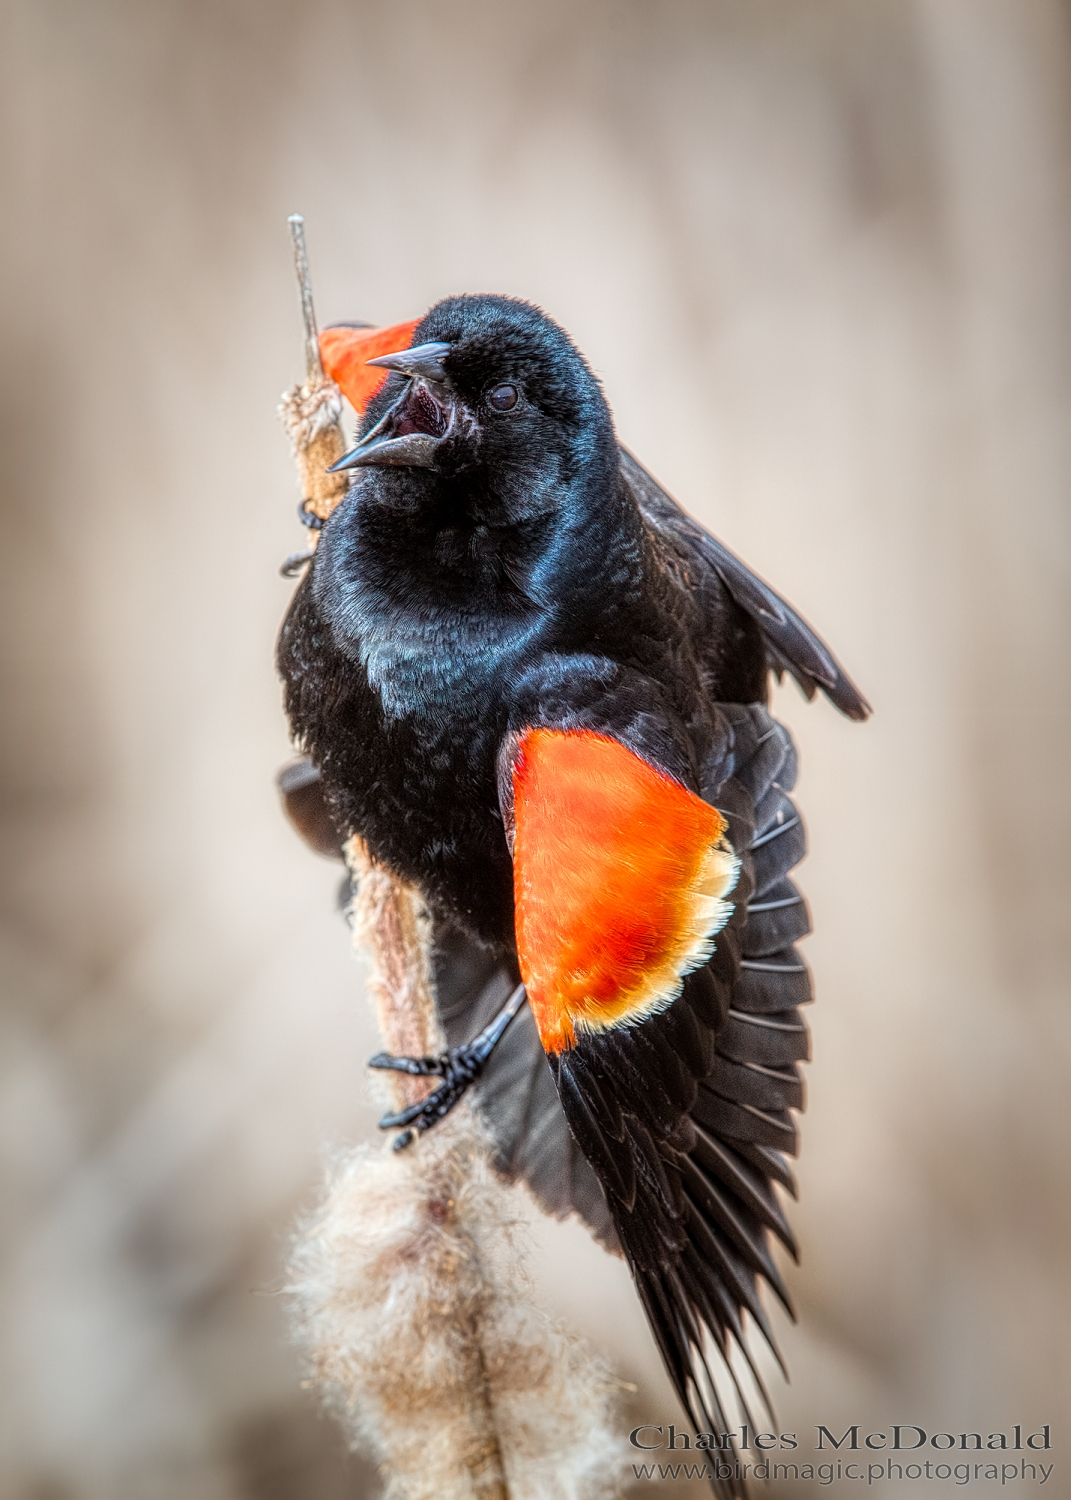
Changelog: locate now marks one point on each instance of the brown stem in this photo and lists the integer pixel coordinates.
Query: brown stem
(391, 922)
(389, 917)
(314, 370)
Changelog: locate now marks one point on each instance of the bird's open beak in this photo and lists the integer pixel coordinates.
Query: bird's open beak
(410, 432)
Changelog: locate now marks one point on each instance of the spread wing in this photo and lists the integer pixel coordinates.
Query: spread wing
(791, 645)
(665, 989)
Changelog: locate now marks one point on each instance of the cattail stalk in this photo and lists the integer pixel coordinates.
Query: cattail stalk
(391, 925)
(408, 1284)
(312, 412)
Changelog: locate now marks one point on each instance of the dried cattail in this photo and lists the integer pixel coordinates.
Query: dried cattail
(312, 412)
(422, 1336)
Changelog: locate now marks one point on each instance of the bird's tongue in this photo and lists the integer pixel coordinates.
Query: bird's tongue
(418, 411)
(344, 352)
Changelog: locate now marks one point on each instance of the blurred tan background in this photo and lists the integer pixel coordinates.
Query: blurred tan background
(820, 253)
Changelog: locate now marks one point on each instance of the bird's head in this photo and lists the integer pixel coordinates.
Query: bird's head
(492, 393)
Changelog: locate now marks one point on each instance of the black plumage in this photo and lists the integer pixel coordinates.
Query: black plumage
(499, 564)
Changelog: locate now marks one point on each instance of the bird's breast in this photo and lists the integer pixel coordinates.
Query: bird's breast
(451, 666)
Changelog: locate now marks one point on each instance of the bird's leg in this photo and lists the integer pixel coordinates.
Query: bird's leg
(291, 566)
(458, 1068)
(297, 560)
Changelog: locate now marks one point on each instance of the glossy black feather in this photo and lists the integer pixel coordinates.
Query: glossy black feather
(751, 1084)
(790, 642)
(718, 1158)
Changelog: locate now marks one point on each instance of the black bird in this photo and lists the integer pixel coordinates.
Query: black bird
(538, 690)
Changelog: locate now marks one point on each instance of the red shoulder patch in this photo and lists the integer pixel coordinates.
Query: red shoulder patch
(619, 877)
(345, 352)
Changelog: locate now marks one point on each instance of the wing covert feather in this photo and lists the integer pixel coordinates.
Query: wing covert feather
(791, 644)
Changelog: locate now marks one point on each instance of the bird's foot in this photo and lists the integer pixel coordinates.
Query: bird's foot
(458, 1068)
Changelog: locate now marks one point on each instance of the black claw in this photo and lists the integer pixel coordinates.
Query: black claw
(459, 1068)
(419, 1067)
(309, 517)
(294, 564)
(425, 1112)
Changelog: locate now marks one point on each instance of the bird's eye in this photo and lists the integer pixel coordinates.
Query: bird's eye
(503, 397)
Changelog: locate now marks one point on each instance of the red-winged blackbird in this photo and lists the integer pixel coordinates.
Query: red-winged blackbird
(537, 689)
